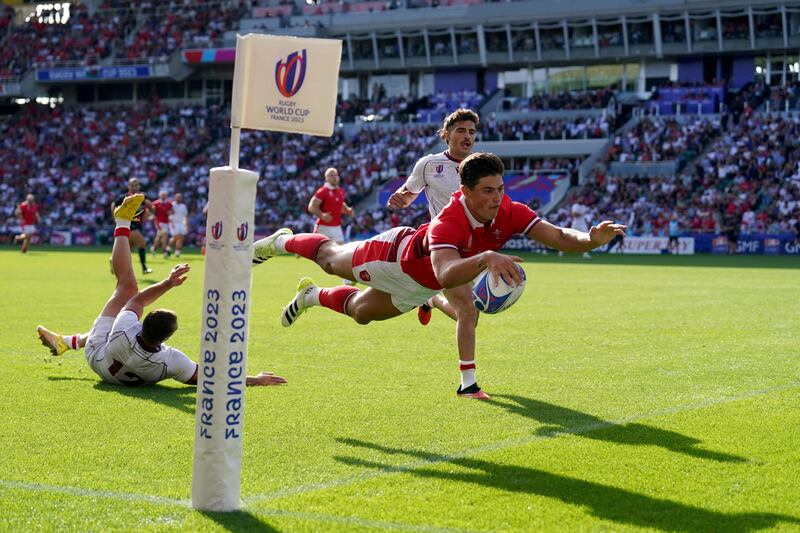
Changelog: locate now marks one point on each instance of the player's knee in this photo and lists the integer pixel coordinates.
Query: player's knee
(127, 287)
(359, 313)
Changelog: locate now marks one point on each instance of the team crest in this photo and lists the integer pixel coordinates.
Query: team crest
(497, 233)
(241, 232)
(439, 169)
(290, 74)
(364, 275)
(216, 230)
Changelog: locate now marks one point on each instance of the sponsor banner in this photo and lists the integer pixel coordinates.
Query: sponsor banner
(125, 72)
(81, 238)
(790, 247)
(772, 246)
(719, 245)
(10, 89)
(285, 84)
(219, 418)
(520, 243)
(209, 55)
(656, 245)
(61, 238)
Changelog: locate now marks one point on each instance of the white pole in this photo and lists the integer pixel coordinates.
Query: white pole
(234, 155)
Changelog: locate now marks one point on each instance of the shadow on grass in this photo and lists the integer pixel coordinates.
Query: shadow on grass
(181, 398)
(601, 501)
(239, 521)
(666, 260)
(561, 420)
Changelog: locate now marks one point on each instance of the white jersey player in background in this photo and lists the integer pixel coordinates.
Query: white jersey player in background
(437, 176)
(178, 224)
(121, 349)
(577, 221)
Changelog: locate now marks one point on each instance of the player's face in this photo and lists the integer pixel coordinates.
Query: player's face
(460, 138)
(484, 200)
(332, 178)
(134, 186)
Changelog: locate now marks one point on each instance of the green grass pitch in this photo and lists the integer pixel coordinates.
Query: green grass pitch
(658, 393)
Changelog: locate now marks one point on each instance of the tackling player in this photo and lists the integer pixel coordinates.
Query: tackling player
(437, 176)
(121, 349)
(28, 213)
(404, 267)
(136, 238)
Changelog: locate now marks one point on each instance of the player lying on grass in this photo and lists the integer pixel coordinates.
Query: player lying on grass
(120, 348)
(404, 267)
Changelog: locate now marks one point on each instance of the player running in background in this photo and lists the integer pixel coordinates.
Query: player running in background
(28, 213)
(328, 205)
(578, 222)
(121, 349)
(178, 225)
(161, 210)
(404, 267)
(437, 176)
(136, 238)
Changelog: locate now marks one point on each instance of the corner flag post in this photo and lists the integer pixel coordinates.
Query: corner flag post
(280, 84)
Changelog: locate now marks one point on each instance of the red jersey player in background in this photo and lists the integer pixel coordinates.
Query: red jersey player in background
(404, 267)
(328, 205)
(161, 209)
(28, 213)
(136, 238)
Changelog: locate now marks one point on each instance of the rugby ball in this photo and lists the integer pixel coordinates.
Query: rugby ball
(492, 294)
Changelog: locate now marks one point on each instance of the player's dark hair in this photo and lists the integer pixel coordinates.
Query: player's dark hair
(158, 326)
(458, 115)
(479, 165)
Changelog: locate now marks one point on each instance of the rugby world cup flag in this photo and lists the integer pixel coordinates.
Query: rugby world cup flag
(285, 84)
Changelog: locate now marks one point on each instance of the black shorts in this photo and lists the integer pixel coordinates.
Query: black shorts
(673, 238)
(136, 226)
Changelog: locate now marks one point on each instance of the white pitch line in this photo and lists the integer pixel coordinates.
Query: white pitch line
(511, 443)
(187, 504)
(251, 502)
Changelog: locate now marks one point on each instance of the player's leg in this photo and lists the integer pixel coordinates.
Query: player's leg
(362, 306)
(178, 244)
(121, 260)
(461, 300)
(331, 257)
(59, 344)
(137, 240)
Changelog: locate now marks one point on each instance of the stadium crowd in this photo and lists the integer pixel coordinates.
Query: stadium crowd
(545, 129)
(748, 181)
(592, 99)
(664, 139)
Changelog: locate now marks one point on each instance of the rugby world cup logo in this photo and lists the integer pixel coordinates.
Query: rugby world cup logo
(241, 232)
(289, 74)
(216, 230)
(439, 169)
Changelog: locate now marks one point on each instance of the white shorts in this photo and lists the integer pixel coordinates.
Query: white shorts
(177, 229)
(29, 229)
(376, 264)
(334, 233)
(97, 341)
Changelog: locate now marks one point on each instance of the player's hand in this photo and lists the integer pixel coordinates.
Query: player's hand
(325, 217)
(178, 274)
(264, 379)
(400, 200)
(504, 265)
(605, 231)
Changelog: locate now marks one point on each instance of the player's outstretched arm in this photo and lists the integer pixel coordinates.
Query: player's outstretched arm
(453, 271)
(154, 292)
(401, 198)
(570, 240)
(263, 379)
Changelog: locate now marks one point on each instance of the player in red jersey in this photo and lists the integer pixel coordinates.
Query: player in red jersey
(328, 205)
(161, 209)
(28, 213)
(403, 267)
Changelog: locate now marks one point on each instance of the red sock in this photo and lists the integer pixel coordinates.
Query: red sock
(305, 244)
(337, 297)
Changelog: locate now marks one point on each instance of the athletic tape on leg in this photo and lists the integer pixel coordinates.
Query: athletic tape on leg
(223, 343)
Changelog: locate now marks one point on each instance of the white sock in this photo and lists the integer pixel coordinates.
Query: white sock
(429, 302)
(122, 222)
(69, 340)
(311, 297)
(468, 374)
(280, 243)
